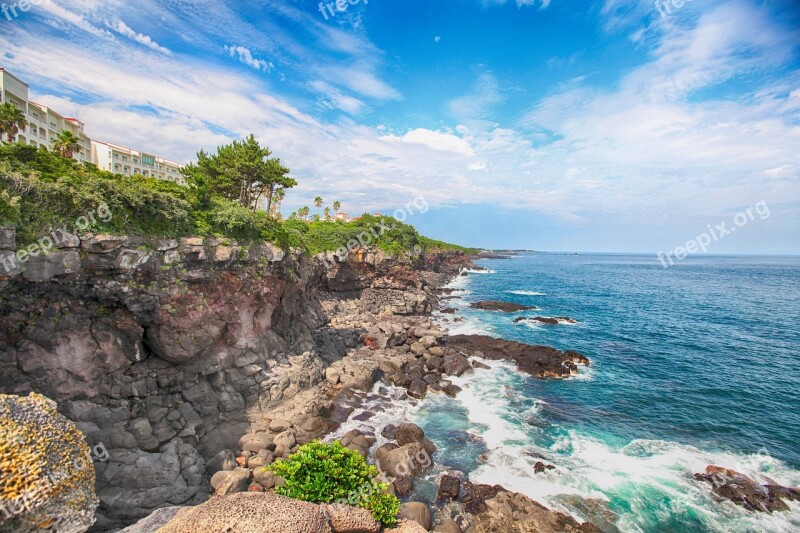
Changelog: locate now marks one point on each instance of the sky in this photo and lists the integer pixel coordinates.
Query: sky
(590, 126)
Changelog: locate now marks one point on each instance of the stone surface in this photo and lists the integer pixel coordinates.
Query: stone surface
(250, 512)
(348, 519)
(746, 492)
(506, 307)
(417, 512)
(512, 512)
(46, 467)
(447, 526)
(153, 523)
(539, 361)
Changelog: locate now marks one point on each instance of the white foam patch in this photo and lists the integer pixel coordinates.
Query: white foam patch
(527, 293)
(474, 271)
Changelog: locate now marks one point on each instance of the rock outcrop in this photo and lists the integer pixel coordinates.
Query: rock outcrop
(539, 361)
(46, 468)
(746, 492)
(168, 351)
(506, 307)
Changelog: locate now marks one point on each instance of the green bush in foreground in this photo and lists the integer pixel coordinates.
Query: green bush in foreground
(330, 473)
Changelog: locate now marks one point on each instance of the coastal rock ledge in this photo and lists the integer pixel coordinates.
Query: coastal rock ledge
(539, 361)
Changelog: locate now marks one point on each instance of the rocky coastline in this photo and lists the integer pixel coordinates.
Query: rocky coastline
(190, 357)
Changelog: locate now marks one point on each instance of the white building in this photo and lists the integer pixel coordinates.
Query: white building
(123, 160)
(44, 125)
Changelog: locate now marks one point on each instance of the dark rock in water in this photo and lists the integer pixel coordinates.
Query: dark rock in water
(459, 319)
(412, 433)
(506, 307)
(452, 390)
(449, 311)
(540, 361)
(478, 364)
(465, 274)
(456, 364)
(548, 320)
(540, 467)
(746, 492)
(595, 510)
(366, 415)
(418, 388)
(389, 432)
(403, 486)
(449, 487)
(474, 496)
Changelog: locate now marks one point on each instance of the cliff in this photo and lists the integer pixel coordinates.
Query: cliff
(169, 351)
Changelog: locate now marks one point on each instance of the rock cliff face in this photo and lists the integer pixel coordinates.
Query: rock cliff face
(169, 351)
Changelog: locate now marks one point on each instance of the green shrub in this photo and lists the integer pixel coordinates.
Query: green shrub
(326, 473)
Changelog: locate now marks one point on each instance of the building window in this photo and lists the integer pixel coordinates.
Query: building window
(125, 158)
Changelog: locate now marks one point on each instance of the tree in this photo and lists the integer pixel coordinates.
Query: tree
(327, 212)
(279, 197)
(242, 171)
(12, 119)
(67, 143)
(318, 203)
(303, 212)
(336, 206)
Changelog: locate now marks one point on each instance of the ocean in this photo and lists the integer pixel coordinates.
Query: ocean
(694, 365)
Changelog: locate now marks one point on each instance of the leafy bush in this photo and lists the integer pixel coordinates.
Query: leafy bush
(325, 473)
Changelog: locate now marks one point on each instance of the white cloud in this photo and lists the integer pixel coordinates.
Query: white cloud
(244, 55)
(127, 31)
(434, 140)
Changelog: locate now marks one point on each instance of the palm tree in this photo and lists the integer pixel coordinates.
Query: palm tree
(67, 143)
(303, 212)
(318, 203)
(336, 206)
(280, 195)
(12, 119)
(327, 212)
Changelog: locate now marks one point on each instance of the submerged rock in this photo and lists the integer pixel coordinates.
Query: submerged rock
(506, 307)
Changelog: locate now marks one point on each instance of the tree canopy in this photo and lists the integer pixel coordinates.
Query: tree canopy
(242, 171)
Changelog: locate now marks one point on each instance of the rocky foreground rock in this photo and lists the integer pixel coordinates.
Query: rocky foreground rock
(46, 469)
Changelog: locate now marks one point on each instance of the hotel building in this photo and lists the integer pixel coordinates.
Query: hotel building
(44, 125)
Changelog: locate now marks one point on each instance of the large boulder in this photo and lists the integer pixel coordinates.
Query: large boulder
(456, 364)
(409, 460)
(406, 526)
(230, 481)
(47, 470)
(348, 519)
(409, 433)
(509, 511)
(250, 512)
(417, 512)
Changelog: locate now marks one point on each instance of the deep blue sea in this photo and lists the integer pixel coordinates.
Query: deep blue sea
(695, 365)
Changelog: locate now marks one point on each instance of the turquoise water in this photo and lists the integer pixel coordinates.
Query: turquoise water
(695, 365)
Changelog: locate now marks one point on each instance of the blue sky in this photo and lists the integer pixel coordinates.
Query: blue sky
(581, 125)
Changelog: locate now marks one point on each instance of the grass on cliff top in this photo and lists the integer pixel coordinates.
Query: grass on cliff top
(41, 191)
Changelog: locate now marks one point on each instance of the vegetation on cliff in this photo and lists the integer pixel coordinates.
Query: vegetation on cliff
(330, 473)
(41, 190)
